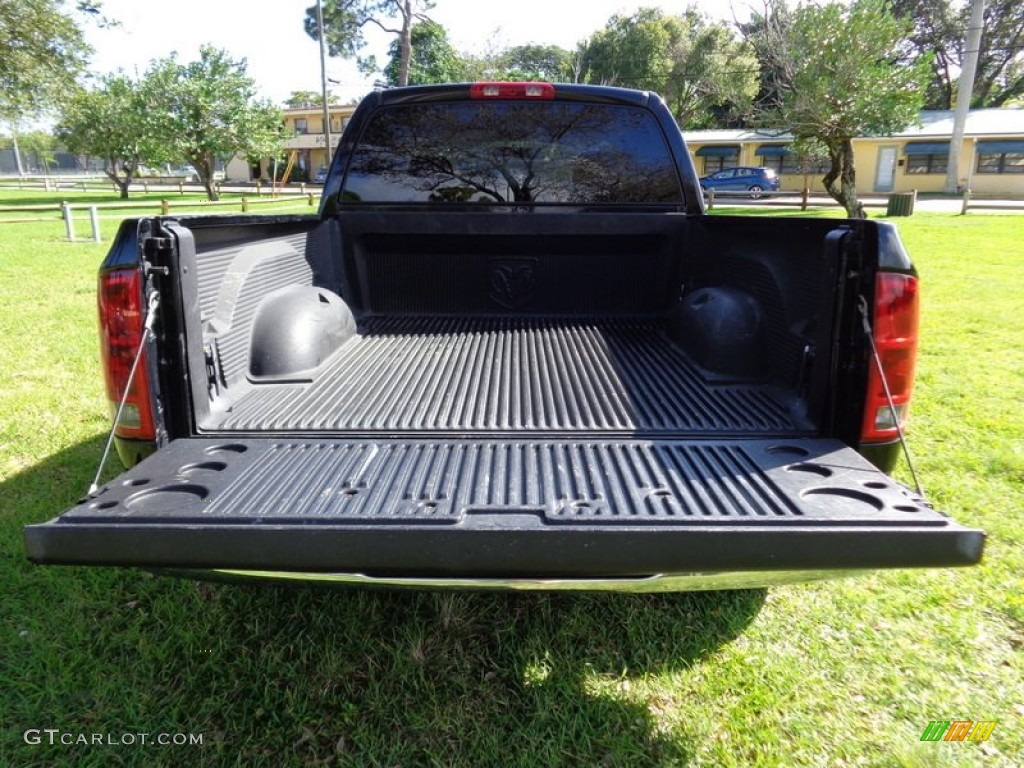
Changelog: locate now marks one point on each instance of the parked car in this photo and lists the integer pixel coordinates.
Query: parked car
(752, 179)
(186, 172)
(189, 173)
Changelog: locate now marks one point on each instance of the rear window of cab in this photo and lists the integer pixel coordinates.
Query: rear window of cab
(519, 152)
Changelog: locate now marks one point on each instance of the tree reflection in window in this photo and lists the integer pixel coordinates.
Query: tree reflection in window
(512, 152)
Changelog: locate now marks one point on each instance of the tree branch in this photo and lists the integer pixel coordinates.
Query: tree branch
(371, 20)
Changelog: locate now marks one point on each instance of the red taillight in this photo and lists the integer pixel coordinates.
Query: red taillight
(895, 330)
(544, 91)
(122, 318)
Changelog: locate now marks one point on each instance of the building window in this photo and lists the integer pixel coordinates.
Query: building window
(1002, 162)
(926, 157)
(1000, 156)
(791, 164)
(719, 157)
(720, 163)
(927, 163)
(788, 164)
(301, 125)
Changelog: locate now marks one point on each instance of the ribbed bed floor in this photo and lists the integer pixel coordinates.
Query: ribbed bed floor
(494, 374)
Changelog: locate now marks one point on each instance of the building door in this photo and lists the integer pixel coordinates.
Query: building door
(885, 174)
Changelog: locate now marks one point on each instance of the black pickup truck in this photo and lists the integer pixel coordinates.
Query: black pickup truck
(511, 350)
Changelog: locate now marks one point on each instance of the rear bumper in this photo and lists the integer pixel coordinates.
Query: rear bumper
(660, 582)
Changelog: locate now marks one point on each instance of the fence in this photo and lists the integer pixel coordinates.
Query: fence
(102, 183)
(803, 200)
(66, 210)
(787, 199)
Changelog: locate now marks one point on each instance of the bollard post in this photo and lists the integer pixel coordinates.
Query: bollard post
(258, 189)
(94, 219)
(967, 201)
(245, 205)
(711, 198)
(310, 197)
(145, 187)
(69, 222)
(165, 207)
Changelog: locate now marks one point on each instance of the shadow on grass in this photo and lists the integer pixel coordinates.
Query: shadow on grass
(292, 676)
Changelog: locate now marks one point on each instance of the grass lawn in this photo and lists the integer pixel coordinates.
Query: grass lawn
(846, 673)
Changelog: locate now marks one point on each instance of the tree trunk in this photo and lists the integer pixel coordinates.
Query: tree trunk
(204, 167)
(405, 43)
(211, 188)
(121, 180)
(121, 183)
(840, 153)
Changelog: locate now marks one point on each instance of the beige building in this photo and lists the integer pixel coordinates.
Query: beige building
(991, 158)
(304, 127)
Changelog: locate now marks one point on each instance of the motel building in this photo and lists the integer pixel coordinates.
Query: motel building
(304, 129)
(991, 158)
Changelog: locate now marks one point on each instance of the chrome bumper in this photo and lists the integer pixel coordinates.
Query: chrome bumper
(662, 582)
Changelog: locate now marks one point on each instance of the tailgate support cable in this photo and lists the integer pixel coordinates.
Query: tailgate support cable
(154, 302)
(862, 305)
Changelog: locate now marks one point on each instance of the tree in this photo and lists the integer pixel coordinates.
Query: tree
(113, 122)
(536, 62)
(842, 76)
(434, 60)
(999, 80)
(938, 28)
(764, 30)
(299, 99)
(344, 21)
(42, 52)
(934, 30)
(207, 109)
(704, 73)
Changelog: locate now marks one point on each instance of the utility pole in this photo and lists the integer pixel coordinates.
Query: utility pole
(972, 48)
(323, 77)
(17, 152)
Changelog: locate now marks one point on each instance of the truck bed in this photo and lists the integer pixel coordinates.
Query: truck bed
(447, 435)
(497, 375)
(510, 351)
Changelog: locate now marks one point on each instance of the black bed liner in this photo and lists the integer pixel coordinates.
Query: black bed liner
(478, 507)
(494, 374)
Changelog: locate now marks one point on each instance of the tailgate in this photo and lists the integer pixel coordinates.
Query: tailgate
(504, 509)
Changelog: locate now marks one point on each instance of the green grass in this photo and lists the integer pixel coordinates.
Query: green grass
(845, 673)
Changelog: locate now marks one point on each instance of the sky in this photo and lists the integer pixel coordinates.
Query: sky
(282, 58)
